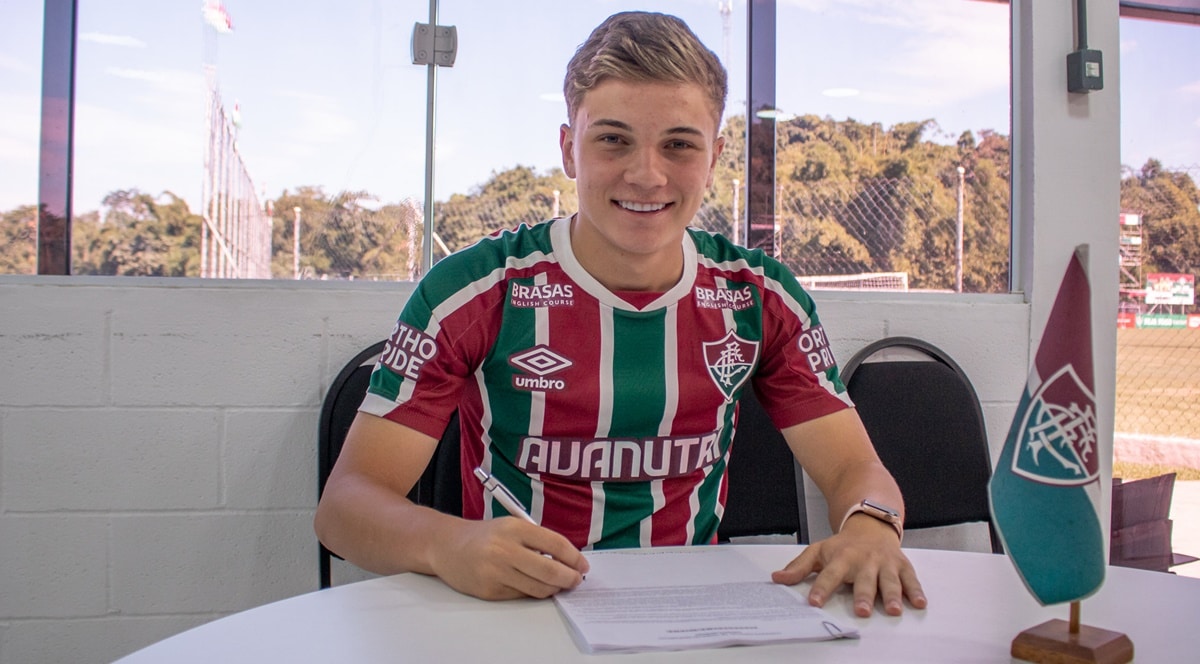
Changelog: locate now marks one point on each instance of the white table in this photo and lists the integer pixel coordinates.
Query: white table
(977, 604)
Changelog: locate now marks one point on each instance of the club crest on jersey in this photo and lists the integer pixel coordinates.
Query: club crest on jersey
(730, 361)
(1058, 433)
(542, 363)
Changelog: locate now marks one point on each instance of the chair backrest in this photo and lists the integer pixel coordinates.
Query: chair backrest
(1140, 535)
(440, 485)
(925, 421)
(766, 490)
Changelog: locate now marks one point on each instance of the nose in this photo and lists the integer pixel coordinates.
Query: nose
(646, 169)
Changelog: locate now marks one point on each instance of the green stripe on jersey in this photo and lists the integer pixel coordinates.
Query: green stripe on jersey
(511, 413)
(638, 339)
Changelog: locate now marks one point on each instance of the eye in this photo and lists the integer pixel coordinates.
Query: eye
(679, 144)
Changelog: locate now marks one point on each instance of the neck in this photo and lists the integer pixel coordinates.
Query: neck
(619, 270)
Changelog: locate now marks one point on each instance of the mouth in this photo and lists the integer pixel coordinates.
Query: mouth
(633, 206)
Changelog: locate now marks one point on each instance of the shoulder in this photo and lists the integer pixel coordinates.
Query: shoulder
(493, 257)
(471, 277)
(719, 254)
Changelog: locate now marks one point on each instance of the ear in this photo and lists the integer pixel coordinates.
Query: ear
(718, 148)
(566, 143)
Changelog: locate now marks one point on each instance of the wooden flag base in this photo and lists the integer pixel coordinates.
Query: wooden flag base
(1053, 643)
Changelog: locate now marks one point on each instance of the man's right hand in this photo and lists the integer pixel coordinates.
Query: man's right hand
(506, 558)
(365, 517)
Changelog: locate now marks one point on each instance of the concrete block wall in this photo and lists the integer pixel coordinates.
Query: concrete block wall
(158, 451)
(158, 439)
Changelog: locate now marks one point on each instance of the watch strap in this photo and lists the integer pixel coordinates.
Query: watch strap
(862, 507)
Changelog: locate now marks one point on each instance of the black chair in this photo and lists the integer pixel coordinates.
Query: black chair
(440, 485)
(925, 421)
(766, 490)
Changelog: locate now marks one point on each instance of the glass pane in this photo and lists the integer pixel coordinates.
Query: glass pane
(20, 118)
(501, 105)
(1158, 347)
(206, 133)
(891, 112)
(1157, 425)
(1160, 153)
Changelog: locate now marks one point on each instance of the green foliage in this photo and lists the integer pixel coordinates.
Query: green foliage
(1169, 204)
(857, 197)
(136, 234)
(508, 199)
(342, 236)
(18, 241)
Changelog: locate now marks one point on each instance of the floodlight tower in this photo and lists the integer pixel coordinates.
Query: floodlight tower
(726, 9)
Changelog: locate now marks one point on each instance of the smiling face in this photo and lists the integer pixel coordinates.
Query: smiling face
(643, 156)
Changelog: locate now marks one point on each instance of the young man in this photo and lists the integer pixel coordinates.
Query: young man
(596, 363)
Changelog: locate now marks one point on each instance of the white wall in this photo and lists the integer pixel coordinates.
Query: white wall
(158, 437)
(158, 451)
(158, 440)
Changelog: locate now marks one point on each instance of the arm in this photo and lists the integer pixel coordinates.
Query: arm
(365, 516)
(837, 453)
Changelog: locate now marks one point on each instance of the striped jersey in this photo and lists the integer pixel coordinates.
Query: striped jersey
(611, 423)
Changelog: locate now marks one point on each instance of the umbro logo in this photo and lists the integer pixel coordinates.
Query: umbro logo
(541, 362)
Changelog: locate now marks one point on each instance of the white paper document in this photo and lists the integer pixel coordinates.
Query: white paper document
(687, 597)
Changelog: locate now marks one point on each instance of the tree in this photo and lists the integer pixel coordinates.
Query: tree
(18, 241)
(137, 235)
(508, 199)
(1169, 204)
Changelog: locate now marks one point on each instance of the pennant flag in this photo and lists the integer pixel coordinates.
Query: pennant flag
(217, 16)
(1045, 491)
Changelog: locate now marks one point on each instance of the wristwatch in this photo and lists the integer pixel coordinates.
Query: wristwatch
(881, 512)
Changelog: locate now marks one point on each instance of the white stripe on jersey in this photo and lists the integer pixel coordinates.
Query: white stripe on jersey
(537, 410)
(604, 413)
(486, 425)
(670, 369)
(646, 527)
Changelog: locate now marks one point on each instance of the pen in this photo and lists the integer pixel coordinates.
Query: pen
(505, 498)
(503, 495)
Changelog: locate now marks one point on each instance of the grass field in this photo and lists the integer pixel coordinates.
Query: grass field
(1158, 382)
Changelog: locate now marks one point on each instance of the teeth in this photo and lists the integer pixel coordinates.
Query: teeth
(641, 207)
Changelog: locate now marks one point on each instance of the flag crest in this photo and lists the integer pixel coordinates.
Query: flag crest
(1045, 491)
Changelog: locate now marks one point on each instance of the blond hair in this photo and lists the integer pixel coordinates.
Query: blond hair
(644, 47)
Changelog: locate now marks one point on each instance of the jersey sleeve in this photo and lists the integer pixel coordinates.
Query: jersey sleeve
(798, 378)
(437, 343)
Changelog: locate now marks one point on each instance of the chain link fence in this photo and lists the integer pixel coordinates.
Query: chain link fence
(1158, 382)
(837, 234)
(1158, 370)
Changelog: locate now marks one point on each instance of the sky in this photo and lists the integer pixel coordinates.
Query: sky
(328, 96)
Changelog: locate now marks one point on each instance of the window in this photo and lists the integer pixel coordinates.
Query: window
(201, 150)
(289, 142)
(892, 151)
(1158, 343)
(20, 118)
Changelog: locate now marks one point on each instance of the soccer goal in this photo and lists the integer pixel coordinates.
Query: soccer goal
(870, 281)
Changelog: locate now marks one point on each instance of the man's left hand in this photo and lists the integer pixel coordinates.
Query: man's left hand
(866, 555)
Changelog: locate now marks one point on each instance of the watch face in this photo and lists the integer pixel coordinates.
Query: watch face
(881, 511)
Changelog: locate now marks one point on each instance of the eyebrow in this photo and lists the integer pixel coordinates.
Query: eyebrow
(617, 124)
